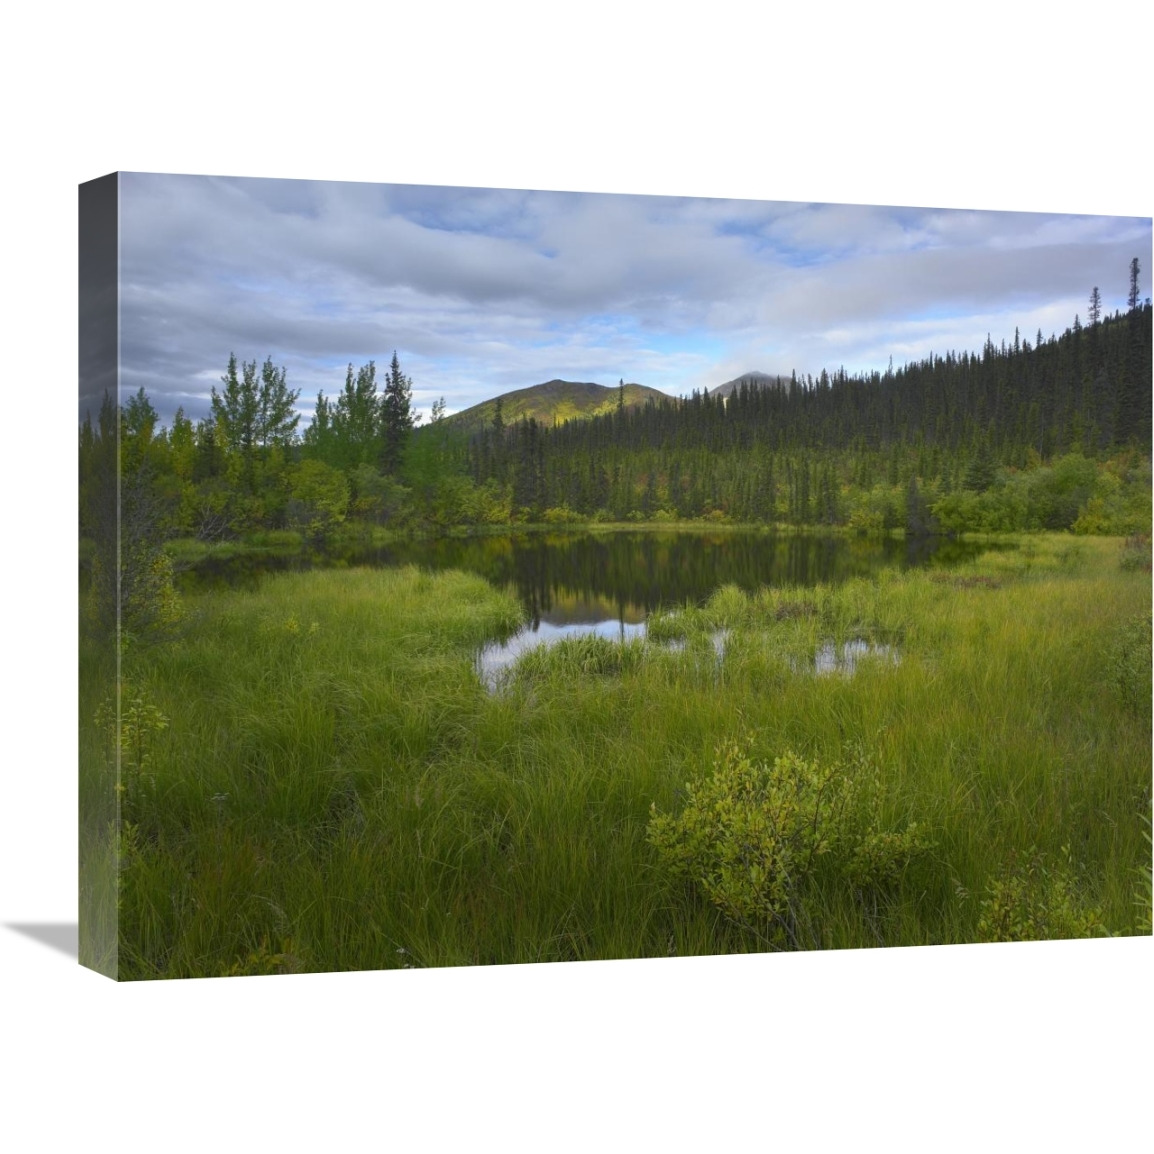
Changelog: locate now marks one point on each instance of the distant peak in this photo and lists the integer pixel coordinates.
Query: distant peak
(754, 379)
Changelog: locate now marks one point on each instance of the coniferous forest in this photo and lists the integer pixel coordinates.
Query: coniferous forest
(1053, 433)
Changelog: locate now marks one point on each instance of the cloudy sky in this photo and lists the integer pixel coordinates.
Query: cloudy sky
(482, 291)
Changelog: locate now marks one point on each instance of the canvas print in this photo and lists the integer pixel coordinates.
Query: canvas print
(474, 576)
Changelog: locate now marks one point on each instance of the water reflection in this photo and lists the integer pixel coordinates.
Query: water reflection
(498, 656)
(588, 578)
(495, 659)
(831, 658)
(608, 583)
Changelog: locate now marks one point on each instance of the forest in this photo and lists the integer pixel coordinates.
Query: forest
(1054, 434)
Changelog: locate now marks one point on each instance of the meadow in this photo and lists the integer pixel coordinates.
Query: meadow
(315, 778)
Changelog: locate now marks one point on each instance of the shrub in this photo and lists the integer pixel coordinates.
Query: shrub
(757, 839)
(560, 515)
(264, 960)
(1136, 553)
(1035, 901)
(318, 499)
(1130, 665)
(866, 522)
(132, 595)
(132, 737)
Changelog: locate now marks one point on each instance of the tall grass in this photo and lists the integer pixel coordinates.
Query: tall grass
(336, 789)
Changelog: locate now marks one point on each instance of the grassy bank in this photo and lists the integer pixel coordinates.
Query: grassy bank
(190, 550)
(354, 535)
(325, 784)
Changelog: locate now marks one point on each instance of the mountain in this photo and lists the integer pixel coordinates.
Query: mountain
(554, 402)
(754, 380)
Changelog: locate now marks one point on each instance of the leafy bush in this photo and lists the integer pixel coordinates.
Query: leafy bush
(131, 594)
(1036, 901)
(560, 515)
(380, 499)
(1072, 492)
(1136, 552)
(1130, 665)
(264, 960)
(757, 839)
(131, 740)
(318, 499)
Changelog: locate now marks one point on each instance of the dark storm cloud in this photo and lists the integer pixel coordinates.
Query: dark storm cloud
(482, 290)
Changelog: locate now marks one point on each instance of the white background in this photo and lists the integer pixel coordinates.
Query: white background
(982, 105)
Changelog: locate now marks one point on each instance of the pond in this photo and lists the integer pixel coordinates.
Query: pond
(609, 582)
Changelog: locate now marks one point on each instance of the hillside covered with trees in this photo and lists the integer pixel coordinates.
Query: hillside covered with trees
(554, 403)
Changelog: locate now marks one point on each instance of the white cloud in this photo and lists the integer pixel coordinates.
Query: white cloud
(481, 291)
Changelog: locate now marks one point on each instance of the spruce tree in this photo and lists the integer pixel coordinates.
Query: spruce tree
(396, 416)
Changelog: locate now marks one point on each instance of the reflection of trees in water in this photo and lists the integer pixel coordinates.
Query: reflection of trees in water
(633, 571)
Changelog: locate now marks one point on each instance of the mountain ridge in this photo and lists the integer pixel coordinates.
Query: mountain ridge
(555, 402)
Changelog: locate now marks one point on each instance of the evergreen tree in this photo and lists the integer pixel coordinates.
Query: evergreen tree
(319, 436)
(138, 421)
(980, 471)
(396, 416)
(917, 511)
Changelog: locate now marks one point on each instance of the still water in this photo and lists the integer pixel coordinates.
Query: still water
(608, 583)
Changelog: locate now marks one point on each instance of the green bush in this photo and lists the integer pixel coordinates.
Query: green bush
(759, 840)
(1037, 900)
(132, 735)
(1136, 553)
(1130, 665)
(560, 515)
(318, 499)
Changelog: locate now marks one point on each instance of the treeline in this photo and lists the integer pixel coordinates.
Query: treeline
(246, 467)
(1021, 436)
(1053, 434)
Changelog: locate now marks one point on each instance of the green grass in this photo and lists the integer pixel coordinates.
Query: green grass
(336, 789)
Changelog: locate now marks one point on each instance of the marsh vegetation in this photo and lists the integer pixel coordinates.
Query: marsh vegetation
(362, 696)
(316, 777)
